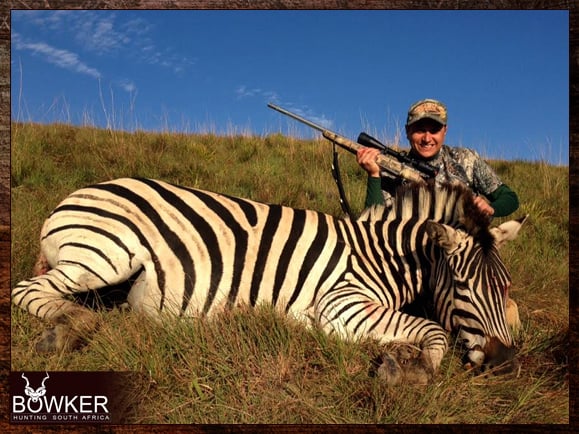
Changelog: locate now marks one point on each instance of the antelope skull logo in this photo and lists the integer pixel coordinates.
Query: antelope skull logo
(33, 394)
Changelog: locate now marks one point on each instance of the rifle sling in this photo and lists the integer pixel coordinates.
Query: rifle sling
(338, 178)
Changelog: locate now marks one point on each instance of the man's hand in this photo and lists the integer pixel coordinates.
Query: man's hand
(366, 158)
(483, 205)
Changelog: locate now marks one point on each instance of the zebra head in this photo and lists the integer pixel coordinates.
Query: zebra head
(471, 291)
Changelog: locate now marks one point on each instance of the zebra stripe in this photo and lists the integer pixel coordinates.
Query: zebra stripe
(196, 252)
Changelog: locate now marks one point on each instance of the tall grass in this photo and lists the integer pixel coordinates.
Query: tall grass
(257, 366)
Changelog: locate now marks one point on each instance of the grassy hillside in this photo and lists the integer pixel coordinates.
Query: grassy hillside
(256, 367)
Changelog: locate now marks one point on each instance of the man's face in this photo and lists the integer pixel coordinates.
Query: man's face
(426, 137)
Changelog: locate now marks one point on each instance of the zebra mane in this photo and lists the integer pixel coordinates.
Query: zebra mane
(451, 204)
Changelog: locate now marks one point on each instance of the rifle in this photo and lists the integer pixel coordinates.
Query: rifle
(398, 164)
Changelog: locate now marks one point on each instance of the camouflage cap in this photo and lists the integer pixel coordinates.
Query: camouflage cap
(427, 108)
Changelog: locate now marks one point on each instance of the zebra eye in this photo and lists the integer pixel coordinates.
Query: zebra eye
(462, 285)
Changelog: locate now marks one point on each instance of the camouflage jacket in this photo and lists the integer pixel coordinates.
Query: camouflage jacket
(454, 164)
(465, 166)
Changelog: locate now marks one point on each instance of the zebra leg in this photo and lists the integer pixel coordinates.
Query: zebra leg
(351, 314)
(47, 297)
(144, 296)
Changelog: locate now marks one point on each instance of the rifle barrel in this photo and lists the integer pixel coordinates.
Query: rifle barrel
(385, 161)
(296, 117)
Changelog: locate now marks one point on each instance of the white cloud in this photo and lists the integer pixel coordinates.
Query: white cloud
(98, 34)
(92, 30)
(128, 86)
(137, 26)
(51, 21)
(59, 57)
(106, 33)
(243, 91)
(306, 113)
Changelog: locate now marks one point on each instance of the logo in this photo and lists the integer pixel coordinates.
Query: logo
(35, 395)
(66, 397)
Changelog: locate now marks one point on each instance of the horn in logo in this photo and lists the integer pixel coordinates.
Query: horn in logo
(35, 395)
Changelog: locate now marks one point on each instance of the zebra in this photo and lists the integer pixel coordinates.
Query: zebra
(191, 252)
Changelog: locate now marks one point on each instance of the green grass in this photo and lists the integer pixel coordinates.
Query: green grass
(260, 367)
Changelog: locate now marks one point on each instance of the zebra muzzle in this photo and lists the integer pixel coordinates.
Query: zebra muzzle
(495, 358)
(474, 358)
(500, 359)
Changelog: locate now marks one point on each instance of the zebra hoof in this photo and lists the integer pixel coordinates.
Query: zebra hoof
(55, 339)
(390, 371)
(418, 373)
(47, 342)
(68, 333)
(61, 337)
(405, 364)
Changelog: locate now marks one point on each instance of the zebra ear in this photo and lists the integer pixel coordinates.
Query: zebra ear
(507, 231)
(442, 235)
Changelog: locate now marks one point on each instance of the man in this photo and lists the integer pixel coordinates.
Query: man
(426, 127)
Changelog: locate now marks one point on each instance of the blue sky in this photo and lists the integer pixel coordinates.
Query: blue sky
(504, 75)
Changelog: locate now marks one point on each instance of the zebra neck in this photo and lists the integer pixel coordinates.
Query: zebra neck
(393, 246)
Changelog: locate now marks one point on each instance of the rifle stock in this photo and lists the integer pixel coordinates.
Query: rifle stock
(385, 162)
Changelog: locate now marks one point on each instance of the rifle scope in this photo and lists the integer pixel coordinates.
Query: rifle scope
(370, 142)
